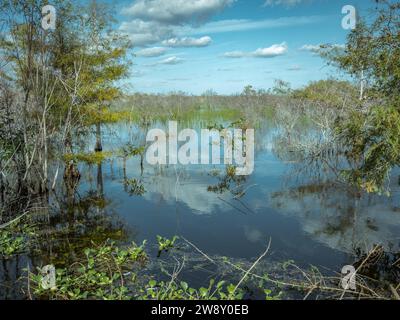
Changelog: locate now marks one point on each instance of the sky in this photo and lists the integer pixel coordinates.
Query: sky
(224, 45)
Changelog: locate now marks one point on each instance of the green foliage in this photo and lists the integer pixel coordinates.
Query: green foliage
(10, 244)
(15, 239)
(135, 187)
(130, 150)
(94, 115)
(373, 146)
(165, 244)
(100, 274)
(329, 93)
(281, 88)
(249, 91)
(182, 291)
(371, 138)
(112, 272)
(372, 51)
(90, 158)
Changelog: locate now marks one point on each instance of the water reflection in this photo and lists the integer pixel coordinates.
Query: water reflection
(324, 212)
(310, 216)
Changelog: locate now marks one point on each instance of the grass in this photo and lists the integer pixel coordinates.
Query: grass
(90, 158)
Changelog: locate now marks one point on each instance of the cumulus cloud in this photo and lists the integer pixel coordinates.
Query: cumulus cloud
(270, 52)
(273, 51)
(187, 42)
(151, 52)
(154, 21)
(175, 12)
(146, 32)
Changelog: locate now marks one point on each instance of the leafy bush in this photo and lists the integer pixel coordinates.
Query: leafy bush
(372, 143)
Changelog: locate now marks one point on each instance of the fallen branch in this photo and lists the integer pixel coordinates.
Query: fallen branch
(5, 225)
(252, 267)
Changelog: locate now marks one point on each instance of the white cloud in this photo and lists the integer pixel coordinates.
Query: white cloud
(175, 12)
(171, 60)
(235, 54)
(151, 30)
(154, 21)
(270, 52)
(236, 25)
(273, 51)
(316, 48)
(287, 3)
(187, 42)
(152, 52)
(146, 32)
(311, 47)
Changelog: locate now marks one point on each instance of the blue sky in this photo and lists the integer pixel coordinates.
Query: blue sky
(224, 45)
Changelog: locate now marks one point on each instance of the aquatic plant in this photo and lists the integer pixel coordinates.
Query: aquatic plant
(135, 187)
(165, 244)
(100, 273)
(173, 290)
(130, 150)
(16, 238)
(90, 158)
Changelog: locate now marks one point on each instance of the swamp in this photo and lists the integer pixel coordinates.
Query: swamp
(79, 194)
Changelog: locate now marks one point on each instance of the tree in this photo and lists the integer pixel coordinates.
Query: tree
(328, 93)
(249, 91)
(372, 52)
(105, 64)
(371, 137)
(281, 87)
(62, 80)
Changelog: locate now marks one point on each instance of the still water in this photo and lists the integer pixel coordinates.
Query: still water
(311, 221)
(309, 216)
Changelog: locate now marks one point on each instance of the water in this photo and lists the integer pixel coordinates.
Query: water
(319, 223)
(312, 221)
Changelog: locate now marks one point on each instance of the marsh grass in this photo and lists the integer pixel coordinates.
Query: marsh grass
(90, 158)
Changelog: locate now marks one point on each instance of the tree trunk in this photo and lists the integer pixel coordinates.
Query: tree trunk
(99, 146)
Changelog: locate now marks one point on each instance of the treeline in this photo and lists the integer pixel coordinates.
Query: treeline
(250, 104)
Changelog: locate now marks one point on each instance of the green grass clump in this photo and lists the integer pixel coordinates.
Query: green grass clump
(90, 158)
